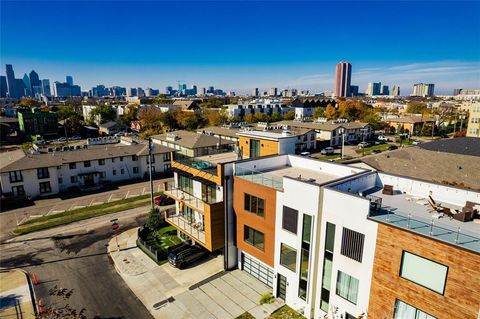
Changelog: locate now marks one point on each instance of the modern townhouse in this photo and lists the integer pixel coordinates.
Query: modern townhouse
(83, 167)
(265, 106)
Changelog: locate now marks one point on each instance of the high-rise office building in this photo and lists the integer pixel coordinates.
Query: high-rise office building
(19, 88)
(131, 92)
(34, 79)
(385, 90)
(343, 77)
(10, 81)
(168, 90)
(272, 92)
(69, 79)
(28, 86)
(255, 92)
(202, 92)
(423, 89)
(374, 88)
(211, 89)
(46, 88)
(3, 86)
(66, 90)
(396, 90)
(140, 92)
(193, 90)
(353, 90)
(457, 91)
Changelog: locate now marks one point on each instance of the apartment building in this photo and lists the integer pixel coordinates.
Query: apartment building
(83, 167)
(266, 106)
(330, 240)
(473, 128)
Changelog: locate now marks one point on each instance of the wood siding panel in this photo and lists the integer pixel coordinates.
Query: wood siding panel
(215, 226)
(265, 224)
(267, 147)
(196, 172)
(462, 290)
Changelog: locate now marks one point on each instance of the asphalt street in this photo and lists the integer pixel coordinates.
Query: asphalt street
(75, 257)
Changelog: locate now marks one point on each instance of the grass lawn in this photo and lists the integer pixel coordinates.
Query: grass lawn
(74, 215)
(368, 150)
(245, 315)
(286, 312)
(160, 240)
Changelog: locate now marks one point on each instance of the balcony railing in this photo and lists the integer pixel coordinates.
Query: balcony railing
(181, 196)
(260, 178)
(188, 225)
(201, 164)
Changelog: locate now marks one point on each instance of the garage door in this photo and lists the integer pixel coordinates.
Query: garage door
(257, 269)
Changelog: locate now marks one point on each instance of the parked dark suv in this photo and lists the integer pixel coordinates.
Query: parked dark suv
(183, 256)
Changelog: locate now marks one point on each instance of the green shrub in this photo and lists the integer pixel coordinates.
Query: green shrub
(267, 299)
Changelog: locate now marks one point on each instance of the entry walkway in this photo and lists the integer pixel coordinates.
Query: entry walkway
(203, 291)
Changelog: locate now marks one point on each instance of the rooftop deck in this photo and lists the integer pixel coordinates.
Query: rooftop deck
(416, 215)
(218, 158)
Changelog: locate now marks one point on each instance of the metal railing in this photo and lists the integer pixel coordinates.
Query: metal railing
(260, 178)
(188, 225)
(151, 251)
(201, 165)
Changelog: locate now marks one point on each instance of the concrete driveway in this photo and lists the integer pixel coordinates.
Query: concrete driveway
(202, 291)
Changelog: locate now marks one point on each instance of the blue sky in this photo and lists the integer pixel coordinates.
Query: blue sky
(239, 45)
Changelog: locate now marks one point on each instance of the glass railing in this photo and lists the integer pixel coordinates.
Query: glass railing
(188, 225)
(180, 195)
(193, 162)
(435, 229)
(260, 178)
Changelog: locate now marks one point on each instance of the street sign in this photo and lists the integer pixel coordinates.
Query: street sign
(114, 220)
(115, 226)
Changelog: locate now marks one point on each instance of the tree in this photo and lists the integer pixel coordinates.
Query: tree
(151, 119)
(250, 118)
(290, 115)
(414, 107)
(276, 116)
(213, 102)
(129, 115)
(318, 113)
(28, 103)
(72, 120)
(215, 118)
(330, 112)
(106, 113)
(154, 220)
(261, 117)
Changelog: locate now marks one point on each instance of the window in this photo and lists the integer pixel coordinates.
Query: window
(60, 180)
(288, 257)
(405, 311)
(72, 165)
(114, 172)
(352, 244)
(166, 157)
(101, 162)
(254, 237)
(45, 187)
(134, 158)
(209, 193)
(254, 148)
(15, 176)
(73, 179)
(254, 205)
(327, 266)
(18, 190)
(424, 272)
(305, 256)
(290, 219)
(113, 159)
(347, 287)
(166, 167)
(121, 158)
(43, 173)
(87, 164)
(122, 171)
(185, 184)
(135, 170)
(103, 175)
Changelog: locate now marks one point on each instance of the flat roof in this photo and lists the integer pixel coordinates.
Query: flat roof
(302, 174)
(396, 209)
(264, 134)
(218, 158)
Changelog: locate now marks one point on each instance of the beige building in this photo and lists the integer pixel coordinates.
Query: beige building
(473, 128)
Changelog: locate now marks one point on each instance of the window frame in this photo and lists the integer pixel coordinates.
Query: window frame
(72, 165)
(281, 254)
(101, 162)
(45, 191)
(16, 174)
(254, 232)
(349, 287)
(284, 210)
(254, 210)
(87, 165)
(43, 175)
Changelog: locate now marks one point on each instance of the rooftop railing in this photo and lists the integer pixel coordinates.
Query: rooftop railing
(260, 178)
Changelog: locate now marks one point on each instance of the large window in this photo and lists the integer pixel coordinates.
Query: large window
(166, 157)
(72, 165)
(87, 164)
(305, 256)
(290, 219)
(15, 176)
(209, 193)
(254, 148)
(347, 287)
(352, 244)
(45, 187)
(424, 272)
(134, 158)
(101, 162)
(405, 311)
(185, 184)
(42, 173)
(254, 237)
(327, 266)
(18, 190)
(254, 205)
(288, 257)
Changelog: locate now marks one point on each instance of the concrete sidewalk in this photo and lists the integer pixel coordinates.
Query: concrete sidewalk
(15, 295)
(201, 291)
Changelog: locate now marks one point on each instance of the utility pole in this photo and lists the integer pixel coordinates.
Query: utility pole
(150, 161)
(343, 140)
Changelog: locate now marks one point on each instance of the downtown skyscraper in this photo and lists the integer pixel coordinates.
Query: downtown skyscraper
(343, 78)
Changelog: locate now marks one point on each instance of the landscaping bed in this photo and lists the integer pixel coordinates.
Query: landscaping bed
(155, 243)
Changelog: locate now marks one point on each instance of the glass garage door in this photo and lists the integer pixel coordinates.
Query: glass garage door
(258, 270)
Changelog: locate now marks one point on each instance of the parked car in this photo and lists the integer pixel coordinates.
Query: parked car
(392, 147)
(76, 138)
(182, 257)
(327, 151)
(163, 200)
(416, 142)
(376, 151)
(305, 153)
(382, 138)
(62, 139)
(363, 144)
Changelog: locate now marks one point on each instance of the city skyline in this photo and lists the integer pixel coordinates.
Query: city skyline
(238, 56)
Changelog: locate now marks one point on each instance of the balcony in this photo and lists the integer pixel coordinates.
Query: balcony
(181, 196)
(190, 226)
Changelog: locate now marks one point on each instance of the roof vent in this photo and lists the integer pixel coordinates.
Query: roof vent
(172, 137)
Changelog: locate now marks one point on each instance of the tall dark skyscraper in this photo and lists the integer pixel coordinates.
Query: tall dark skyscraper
(10, 80)
(343, 78)
(69, 79)
(34, 80)
(3, 86)
(27, 85)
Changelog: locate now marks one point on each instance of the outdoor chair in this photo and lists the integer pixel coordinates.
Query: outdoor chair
(387, 190)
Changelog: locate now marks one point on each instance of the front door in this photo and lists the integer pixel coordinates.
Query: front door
(281, 287)
(88, 180)
(254, 148)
